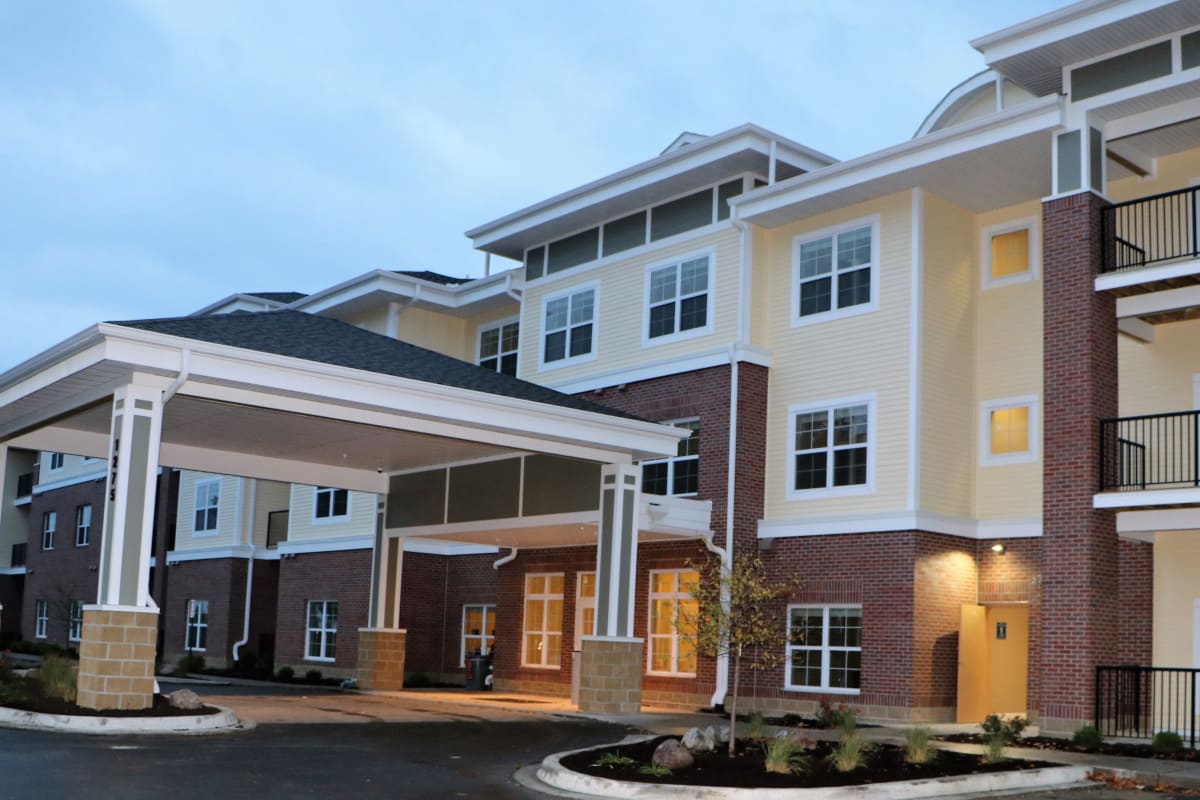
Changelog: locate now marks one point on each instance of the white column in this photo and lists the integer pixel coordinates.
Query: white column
(616, 550)
(386, 567)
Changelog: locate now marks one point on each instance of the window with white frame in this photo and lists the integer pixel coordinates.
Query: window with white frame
(585, 606)
(831, 448)
(479, 631)
(57, 461)
(677, 298)
(83, 525)
(498, 345)
(1009, 253)
(824, 649)
(569, 326)
(322, 630)
(208, 504)
(330, 503)
(196, 634)
(672, 622)
(1008, 431)
(835, 272)
(542, 639)
(75, 627)
(41, 615)
(679, 475)
(49, 523)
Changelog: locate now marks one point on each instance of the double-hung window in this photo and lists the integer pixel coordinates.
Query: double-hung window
(49, 523)
(75, 627)
(322, 630)
(479, 631)
(83, 525)
(330, 503)
(836, 272)
(831, 448)
(678, 298)
(498, 346)
(673, 622)
(41, 615)
(208, 504)
(196, 634)
(824, 648)
(679, 475)
(543, 621)
(569, 326)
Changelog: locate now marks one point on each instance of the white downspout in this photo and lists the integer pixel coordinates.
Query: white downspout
(396, 309)
(185, 368)
(238, 645)
(500, 562)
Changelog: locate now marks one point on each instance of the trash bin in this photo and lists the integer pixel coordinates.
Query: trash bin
(478, 668)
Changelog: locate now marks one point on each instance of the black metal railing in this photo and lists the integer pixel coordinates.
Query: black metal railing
(25, 485)
(1138, 702)
(18, 555)
(277, 528)
(1153, 450)
(1150, 230)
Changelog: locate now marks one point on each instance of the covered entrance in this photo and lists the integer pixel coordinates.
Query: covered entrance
(993, 661)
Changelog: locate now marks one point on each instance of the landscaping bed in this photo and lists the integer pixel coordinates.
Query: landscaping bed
(1130, 749)
(38, 702)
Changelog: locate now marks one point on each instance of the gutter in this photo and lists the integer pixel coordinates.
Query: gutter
(239, 644)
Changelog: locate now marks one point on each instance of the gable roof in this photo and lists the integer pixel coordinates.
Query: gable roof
(433, 277)
(296, 334)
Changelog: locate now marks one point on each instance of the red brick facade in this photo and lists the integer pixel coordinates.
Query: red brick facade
(342, 576)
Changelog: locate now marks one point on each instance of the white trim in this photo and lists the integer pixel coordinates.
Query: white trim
(710, 255)
(49, 487)
(916, 345)
(825, 649)
(324, 630)
(883, 522)
(986, 407)
(835, 312)
(1148, 274)
(568, 359)
(1195, 645)
(498, 325)
(661, 369)
(676, 596)
(1161, 519)
(1031, 224)
(546, 597)
(1146, 498)
(582, 604)
(331, 545)
(216, 528)
(208, 553)
(1158, 302)
(13, 571)
(447, 548)
(951, 99)
(830, 490)
(332, 519)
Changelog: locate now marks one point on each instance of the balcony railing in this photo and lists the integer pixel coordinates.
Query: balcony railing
(1153, 450)
(18, 555)
(24, 485)
(1150, 230)
(1138, 702)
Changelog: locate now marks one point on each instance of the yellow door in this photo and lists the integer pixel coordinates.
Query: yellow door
(973, 665)
(1008, 645)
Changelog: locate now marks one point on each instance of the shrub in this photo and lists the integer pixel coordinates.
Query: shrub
(841, 716)
(57, 676)
(756, 727)
(416, 680)
(917, 749)
(285, 674)
(614, 759)
(786, 755)
(993, 750)
(1088, 738)
(189, 663)
(850, 753)
(1008, 730)
(13, 692)
(1166, 743)
(312, 676)
(658, 772)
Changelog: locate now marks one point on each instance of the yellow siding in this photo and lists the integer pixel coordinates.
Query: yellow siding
(762, 257)
(1157, 377)
(948, 359)
(1173, 172)
(269, 496)
(436, 331)
(855, 355)
(302, 527)
(185, 538)
(1009, 365)
(73, 467)
(471, 344)
(620, 313)
(374, 320)
(1176, 587)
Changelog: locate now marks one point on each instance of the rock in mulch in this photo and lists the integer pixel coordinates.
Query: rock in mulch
(185, 699)
(698, 741)
(672, 755)
(722, 735)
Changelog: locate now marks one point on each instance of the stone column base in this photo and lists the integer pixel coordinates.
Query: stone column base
(116, 658)
(381, 658)
(610, 675)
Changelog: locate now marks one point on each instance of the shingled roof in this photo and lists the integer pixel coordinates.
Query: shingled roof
(278, 297)
(433, 277)
(331, 341)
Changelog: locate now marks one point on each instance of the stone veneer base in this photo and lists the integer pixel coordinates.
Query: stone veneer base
(381, 655)
(116, 659)
(610, 679)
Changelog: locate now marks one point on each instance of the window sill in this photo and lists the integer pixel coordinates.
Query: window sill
(678, 675)
(566, 362)
(830, 316)
(822, 690)
(541, 666)
(672, 338)
(320, 660)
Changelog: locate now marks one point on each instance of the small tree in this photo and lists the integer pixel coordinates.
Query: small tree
(734, 616)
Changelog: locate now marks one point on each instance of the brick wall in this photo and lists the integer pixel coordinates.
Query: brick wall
(422, 611)
(220, 581)
(344, 576)
(469, 580)
(946, 578)
(1015, 576)
(1136, 580)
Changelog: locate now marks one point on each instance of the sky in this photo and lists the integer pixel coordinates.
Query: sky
(159, 155)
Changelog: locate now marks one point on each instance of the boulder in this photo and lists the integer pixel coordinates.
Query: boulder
(185, 699)
(723, 734)
(672, 755)
(698, 741)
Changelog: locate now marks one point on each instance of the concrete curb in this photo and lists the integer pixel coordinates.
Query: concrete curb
(554, 774)
(224, 722)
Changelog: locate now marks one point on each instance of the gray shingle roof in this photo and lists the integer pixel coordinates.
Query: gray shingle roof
(331, 341)
(433, 277)
(279, 297)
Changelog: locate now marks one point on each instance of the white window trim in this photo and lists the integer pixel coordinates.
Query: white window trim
(675, 637)
(824, 688)
(324, 639)
(582, 603)
(986, 457)
(544, 596)
(489, 612)
(49, 529)
(41, 618)
(836, 313)
(670, 461)
(872, 445)
(679, 336)
(195, 495)
(332, 518)
(498, 324)
(1032, 224)
(78, 527)
(543, 366)
(187, 627)
(50, 465)
(73, 634)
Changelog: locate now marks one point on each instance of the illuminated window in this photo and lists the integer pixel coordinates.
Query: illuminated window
(1009, 253)
(1008, 431)
(543, 621)
(672, 622)
(585, 607)
(479, 631)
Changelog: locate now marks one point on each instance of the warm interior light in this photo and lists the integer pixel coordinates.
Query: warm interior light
(997, 548)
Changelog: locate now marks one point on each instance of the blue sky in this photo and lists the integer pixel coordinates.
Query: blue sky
(158, 156)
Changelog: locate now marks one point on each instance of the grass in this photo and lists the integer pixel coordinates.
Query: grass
(57, 676)
(615, 760)
(658, 772)
(993, 749)
(917, 748)
(786, 756)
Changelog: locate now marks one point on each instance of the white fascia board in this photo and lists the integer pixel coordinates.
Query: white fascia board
(1136, 329)
(447, 548)
(962, 527)
(67, 357)
(209, 553)
(971, 84)
(716, 357)
(331, 545)
(1165, 519)
(1044, 114)
(223, 462)
(1152, 119)
(12, 571)
(407, 287)
(1147, 498)
(86, 477)
(232, 301)
(1140, 275)
(1141, 305)
(1058, 25)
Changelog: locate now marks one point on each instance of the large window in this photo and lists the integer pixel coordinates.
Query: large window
(672, 622)
(196, 634)
(208, 504)
(49, 523)
(677, 298)
(322, 630)
(83, 525)
(330, 503)
(679, 475)
(836, 272)
(1009, 253)
(1008, 431)
(498, 346)
(479, 631)
(543, 621)
(585, 606)
(569, 328)
(75, 628)
(824, 648)
(831, 448)
(41, 615)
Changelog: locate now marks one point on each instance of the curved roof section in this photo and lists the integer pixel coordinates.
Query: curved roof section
(981, 95)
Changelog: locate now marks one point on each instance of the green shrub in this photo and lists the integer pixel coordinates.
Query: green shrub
(1088, 738)
(756, 727)
(13, 692)
(850, 753)
(658, 772)
(1007, 730)
(1167, 743)
(840, 716)
(286, 674)
(57, 677)
(786, 755)
(993, 749)
(312, 676)
(615, 759)
(917, 748)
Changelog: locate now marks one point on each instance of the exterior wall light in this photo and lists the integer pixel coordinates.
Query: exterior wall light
(998, 548)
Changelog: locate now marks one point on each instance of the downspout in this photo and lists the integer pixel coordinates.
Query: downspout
(500, 562)
(185, 370)
(238, 645)
(396, 309)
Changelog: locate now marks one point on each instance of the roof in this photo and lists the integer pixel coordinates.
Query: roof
(295, 334)
(278, 297)
(432, 277)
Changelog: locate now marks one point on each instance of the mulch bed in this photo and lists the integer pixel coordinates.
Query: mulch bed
(885, 763)
(37, 701)
(1106, 749)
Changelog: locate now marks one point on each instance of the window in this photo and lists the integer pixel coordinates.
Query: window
(543, 621)
(330, 503)
(479, 631)
(49, 522)
(208, 503)
(57, 461)
(498, 347)
(196, 634)
(75, 628)
(824, 648)
(83, 525)
(41, 614)
(569, 321)
(1008, 431)
(1009, 253)
(322, 630)
(835, 272)
(677, 298)
(585, 607)
(831, 448)
(679, 475)
(672, 622)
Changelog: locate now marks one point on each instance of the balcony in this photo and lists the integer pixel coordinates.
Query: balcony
(18, 555)
(24, 489)
(1150, 460)
(1151, 244)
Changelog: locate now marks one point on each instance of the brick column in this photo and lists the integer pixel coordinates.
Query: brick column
(1080, 622)
(610, 680)
(116, 659)
(381, 658)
